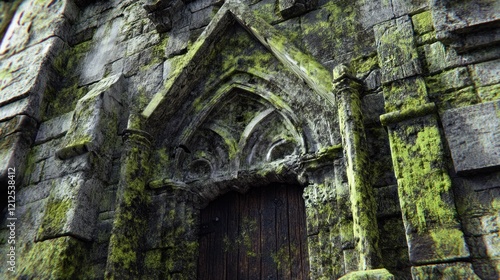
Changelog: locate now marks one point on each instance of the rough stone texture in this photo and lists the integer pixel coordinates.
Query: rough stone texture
(54, 128)
(460, 270)
(397, 51)
(451, 18)
(124, 119)
(473, 137)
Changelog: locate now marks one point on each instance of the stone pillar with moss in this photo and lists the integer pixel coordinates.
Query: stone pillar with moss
(361, 197)
(322, 215)
(127, 235)
(436, 242)
(174, 253)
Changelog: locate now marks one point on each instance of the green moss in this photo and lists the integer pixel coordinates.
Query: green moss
(375, 274)
(422, 23)
(55, 218)
(457, 99)
(62, 97)
(130, 219)
(448, 242)
(405, 94)
(489, 93)
(422, 177)
(364, 64)
(59, 258)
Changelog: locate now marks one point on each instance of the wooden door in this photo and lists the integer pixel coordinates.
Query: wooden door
(257, 235)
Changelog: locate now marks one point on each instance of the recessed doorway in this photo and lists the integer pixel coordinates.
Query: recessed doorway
(257, 235)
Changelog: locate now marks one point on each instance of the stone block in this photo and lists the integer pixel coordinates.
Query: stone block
(199, 5)
(34, 172)
(492, 245)
(473, 136)
(105, 49)
(13, 152)
(293, 8)
(405, 7)
(392, 233)
(177, 43)
(396, 49)
(202, 17)
(94, 124)
(456, 270)
(53, 128)
(36, 22)
(55, 168)
(466, 25)
(47, 149)
(437, 245)
(20, 123)
(374, 12)
(489, 93)
(373, 80)
(131, 65)
(456, 99)
(71, 208)
(25, 73)
(448, 81)
(372, 107)
(33, 193)
(405, 94)
(387, 201)
(486, 73)
(487, 269)
(439, 57)
(422, 22)
(454, 16)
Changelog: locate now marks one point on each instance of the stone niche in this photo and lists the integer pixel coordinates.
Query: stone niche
(473, 135)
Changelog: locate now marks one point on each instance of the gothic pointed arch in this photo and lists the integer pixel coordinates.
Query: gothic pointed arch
(223, 112)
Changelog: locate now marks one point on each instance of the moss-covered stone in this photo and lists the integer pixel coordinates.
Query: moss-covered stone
(59, 258)
(130, 219)
(422, 22)
(55, 217)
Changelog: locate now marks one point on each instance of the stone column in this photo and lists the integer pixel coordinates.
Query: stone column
(435, 240)
(173, 233)
(363, 207)
(322, 215)
(130, 215)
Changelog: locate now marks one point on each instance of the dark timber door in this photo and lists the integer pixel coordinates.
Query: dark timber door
(257, 235)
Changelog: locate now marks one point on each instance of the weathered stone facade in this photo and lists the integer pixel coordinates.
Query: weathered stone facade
(124, 119)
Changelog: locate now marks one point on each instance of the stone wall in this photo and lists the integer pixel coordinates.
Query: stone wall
(123, 119)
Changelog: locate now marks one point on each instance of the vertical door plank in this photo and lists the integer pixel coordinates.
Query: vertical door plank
(203, 245)
(268, 236)
(254, 251)
(296, 233)
(282, 235)
(294, 221)
(229, 243)
(241, 240)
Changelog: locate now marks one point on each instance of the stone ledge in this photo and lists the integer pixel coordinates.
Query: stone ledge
(375, 274)
(399, 116)
(458, 270)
